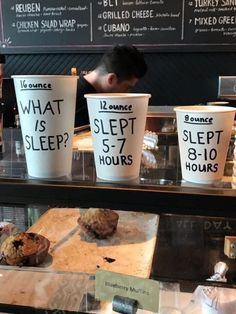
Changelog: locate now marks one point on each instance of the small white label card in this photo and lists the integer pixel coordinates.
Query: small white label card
(145, 291)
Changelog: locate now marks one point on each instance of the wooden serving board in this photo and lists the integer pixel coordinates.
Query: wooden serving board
(129, 251)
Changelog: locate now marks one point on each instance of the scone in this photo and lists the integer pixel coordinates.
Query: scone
(25, 249)
(100, 223)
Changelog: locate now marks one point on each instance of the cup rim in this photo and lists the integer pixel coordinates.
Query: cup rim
(204, 109)
(117, 95)
(217, 103)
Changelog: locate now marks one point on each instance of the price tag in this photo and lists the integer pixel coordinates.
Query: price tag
(145, 291)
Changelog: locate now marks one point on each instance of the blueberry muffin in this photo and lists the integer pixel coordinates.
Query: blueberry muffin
(24, 248)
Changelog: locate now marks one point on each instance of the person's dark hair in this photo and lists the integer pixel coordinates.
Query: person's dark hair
(125, 61)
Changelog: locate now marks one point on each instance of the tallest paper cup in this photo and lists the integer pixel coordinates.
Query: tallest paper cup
(46, 105)
(117, 123)
(204, 133)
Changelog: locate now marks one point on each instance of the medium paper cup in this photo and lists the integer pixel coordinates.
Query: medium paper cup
(117, 124)
(46, 105)
(204, 133)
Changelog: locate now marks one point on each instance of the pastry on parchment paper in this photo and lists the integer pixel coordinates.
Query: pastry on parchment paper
(29, 249)
(99, 223)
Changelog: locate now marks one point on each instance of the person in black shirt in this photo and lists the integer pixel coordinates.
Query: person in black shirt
(117, 72)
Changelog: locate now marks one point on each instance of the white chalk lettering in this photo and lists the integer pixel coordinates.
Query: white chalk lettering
(49, 23)
(27, 7)
(110, 3)
(115, 15)
(113, 28)
(142, 14)
(67, 23)
(227, 20)
(206, 3)
(210, 20)
(228, 3)
(27, 24)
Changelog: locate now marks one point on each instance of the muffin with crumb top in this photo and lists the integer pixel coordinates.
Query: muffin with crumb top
(29, 249)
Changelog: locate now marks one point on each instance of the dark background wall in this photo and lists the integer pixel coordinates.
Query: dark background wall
(173, 78)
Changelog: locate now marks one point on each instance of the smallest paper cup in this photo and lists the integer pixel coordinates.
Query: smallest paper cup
(117, 122)
(204, 133)
(46, 105)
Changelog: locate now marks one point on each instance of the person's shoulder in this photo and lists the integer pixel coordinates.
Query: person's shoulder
(82, 81)
(84, 85)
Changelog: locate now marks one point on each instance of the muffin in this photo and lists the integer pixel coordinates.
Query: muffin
(99, 223)
(24, 248)
(6, 229)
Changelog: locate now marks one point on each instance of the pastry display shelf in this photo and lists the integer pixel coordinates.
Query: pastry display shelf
(193, 218)
(159, 189)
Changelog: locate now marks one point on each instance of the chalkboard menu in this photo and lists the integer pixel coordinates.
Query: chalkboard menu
(92, 25)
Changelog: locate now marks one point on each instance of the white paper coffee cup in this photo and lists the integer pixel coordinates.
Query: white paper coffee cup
(117, 122)
(217, 103)
(46, 105)
(204, 133)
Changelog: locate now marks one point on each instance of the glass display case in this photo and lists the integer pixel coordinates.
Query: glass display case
(192, 222)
